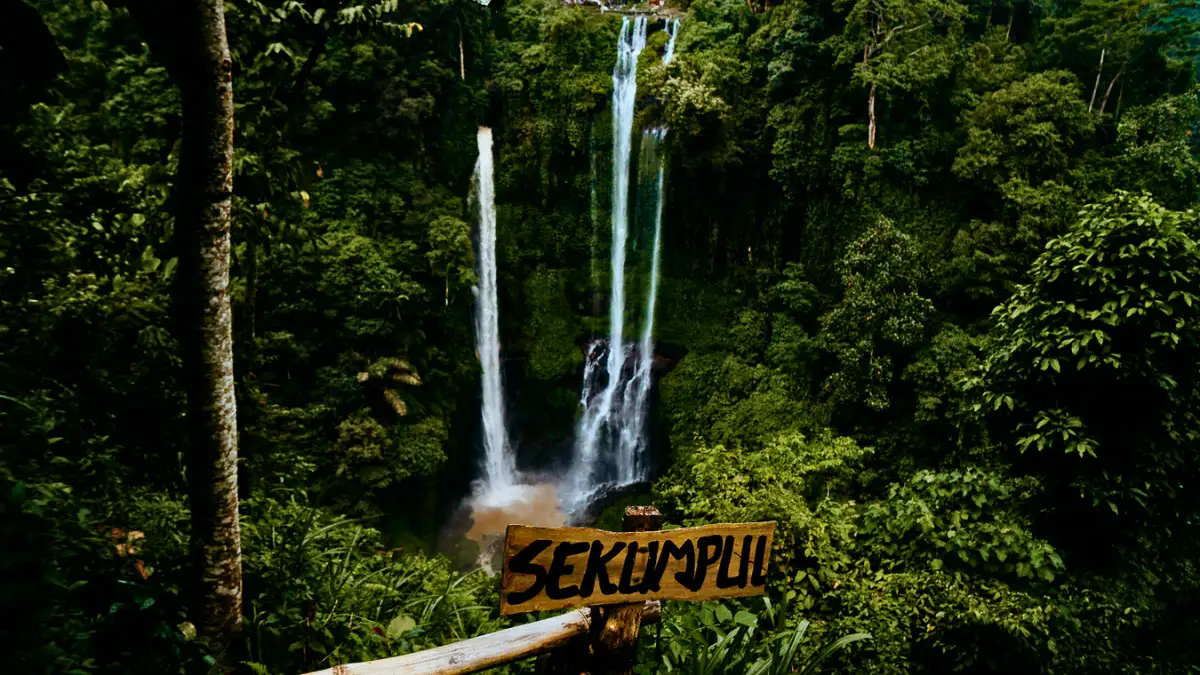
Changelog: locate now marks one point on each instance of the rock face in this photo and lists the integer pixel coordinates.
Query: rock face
(605, 495)
(664, 360)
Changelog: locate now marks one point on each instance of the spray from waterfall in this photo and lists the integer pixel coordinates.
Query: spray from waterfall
(499, 467)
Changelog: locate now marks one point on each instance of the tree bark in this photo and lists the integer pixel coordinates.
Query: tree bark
(462, 60)
(870, 99)
(188, 37)
(1108, 91)
(871, 117)
(1096, 87)
(205, 189)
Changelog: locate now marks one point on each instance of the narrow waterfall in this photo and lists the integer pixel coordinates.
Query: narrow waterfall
(672, 28)
(632, 443)
(499, 466)
(598, 412)
(501, 496)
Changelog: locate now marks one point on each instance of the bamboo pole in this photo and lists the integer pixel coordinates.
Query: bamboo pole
(491, 650)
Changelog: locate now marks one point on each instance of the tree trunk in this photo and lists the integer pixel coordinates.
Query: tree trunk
(462, 60)
(188, 37)
(204, 191)
(1096, 87)
(871, 117)
(1108, 91)
(1012, 11)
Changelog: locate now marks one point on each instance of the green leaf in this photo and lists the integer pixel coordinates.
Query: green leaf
(746, 619)
(149, 261)
(400, 625)
(723, 614)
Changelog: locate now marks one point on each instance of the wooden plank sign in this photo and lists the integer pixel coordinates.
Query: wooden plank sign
(560, 567)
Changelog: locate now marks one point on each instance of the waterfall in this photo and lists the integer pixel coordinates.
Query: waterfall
(672, 28)
(499, 498)
(597, 419)
(632, 438)
(499, 466)
(632, 441)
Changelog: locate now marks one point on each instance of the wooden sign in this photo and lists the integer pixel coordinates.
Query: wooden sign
(555, 568)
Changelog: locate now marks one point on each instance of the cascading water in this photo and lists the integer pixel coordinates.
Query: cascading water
(499, 497)
(597, 419)
(499, 467)
(672, 28)
(632, 442)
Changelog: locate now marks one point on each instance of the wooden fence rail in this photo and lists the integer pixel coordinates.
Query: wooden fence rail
(491, 650)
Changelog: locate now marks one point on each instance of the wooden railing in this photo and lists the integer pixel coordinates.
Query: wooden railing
(604, 636)
(493, 649)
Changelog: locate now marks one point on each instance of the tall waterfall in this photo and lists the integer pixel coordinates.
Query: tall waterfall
(499, 466)
(598, 409)
(632, 439)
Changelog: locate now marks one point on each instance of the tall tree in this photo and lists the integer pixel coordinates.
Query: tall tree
(897, 44)
(1113, 34)
(189, 38)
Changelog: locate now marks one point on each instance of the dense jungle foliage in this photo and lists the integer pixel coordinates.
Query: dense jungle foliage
(931, 291)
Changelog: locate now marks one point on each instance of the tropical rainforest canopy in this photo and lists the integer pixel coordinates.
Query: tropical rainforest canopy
(930, 298)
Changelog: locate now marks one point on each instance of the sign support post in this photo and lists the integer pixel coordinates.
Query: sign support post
(616, 648)
(611, 646)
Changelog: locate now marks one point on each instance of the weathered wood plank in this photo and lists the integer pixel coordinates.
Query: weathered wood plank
(488, 651)
(557, 568)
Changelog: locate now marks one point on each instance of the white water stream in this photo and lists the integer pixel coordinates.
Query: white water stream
(499, 466)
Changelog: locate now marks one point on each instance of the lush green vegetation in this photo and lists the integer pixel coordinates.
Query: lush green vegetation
(931, 267)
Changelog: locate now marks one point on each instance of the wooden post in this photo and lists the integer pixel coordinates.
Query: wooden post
(612, 643)
(616, 645)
